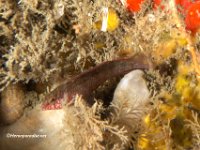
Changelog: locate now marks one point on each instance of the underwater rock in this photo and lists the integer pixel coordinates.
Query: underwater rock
(12, 103)
(35, 130)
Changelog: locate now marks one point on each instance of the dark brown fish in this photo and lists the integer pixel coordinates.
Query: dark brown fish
(90, 80)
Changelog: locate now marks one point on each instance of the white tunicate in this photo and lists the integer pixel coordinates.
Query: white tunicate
(123, 2)
(105, 19)
(133, 89)
(59, 10)
(151, 17)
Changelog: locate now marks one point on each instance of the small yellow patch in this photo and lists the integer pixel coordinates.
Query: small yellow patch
(168, 46)
(147, 119)
(112, 21)
(143, 142)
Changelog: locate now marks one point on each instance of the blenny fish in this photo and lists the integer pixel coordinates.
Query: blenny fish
(85, 83)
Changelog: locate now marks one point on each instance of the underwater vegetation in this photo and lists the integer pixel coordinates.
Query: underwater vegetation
(97, 74)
